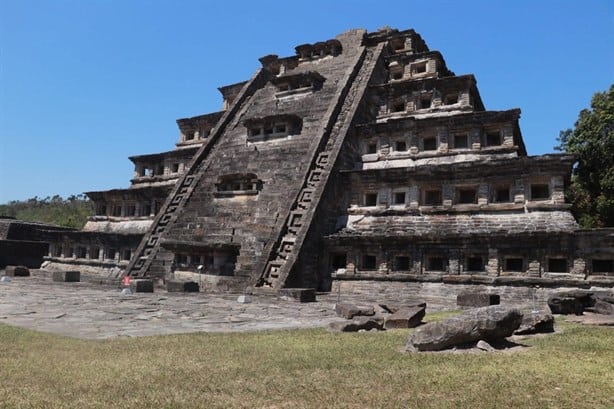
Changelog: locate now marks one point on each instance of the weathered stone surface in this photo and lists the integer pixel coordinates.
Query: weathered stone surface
(349, 311)
(300, 294)
(142, 285)
(17, 271)
(363, 323)
(405, 317)
(575, 302)
(570, 302)
(584, 297)
(488, 323)
(392, 308)
(176, 286)
(535, 323)
(66, 276)
(604, 304)
(476, 299)
(565, 304)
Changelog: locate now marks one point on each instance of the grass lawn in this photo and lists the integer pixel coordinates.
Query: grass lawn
(302, 369)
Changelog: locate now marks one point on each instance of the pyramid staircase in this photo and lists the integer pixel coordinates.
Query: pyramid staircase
(287, 248)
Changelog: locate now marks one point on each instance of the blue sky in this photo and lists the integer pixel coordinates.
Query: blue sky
(86, 83)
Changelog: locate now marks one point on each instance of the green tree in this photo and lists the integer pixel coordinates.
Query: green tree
(592, 140)
(71, 212)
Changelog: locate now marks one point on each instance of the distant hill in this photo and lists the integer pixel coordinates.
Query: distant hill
(70, 212)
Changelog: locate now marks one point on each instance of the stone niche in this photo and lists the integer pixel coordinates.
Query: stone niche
(272, 127)
(308, 52)
(292, 84)
(238, 184)
(214, 259)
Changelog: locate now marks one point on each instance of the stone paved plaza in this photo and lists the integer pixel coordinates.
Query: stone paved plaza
(95, 311)
(91, 310)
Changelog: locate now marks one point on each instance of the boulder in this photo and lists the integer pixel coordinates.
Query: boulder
(300, 294)
(66, 276)
(177, 286)
(604, 304)
(142, 285)
(585, 297)
(474, 299)
(565, 304)
(406, 317)
(363, 323)
(536, 323)
(17, 271)
(491, 323)
(349, 311)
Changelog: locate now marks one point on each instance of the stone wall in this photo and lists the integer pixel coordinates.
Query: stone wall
(439, 296)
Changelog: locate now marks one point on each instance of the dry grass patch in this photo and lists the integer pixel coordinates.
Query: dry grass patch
(301, 369)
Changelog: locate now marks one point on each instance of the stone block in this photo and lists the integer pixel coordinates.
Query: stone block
(177, 286)
(406, 317)
(349, 311)
(474, 299)
(66, 276)
(300, 294)
(564, 304)
(584, 297)
(535, 323)
(604, 304)
(491, 324)
(17, 271)
(142, 285)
